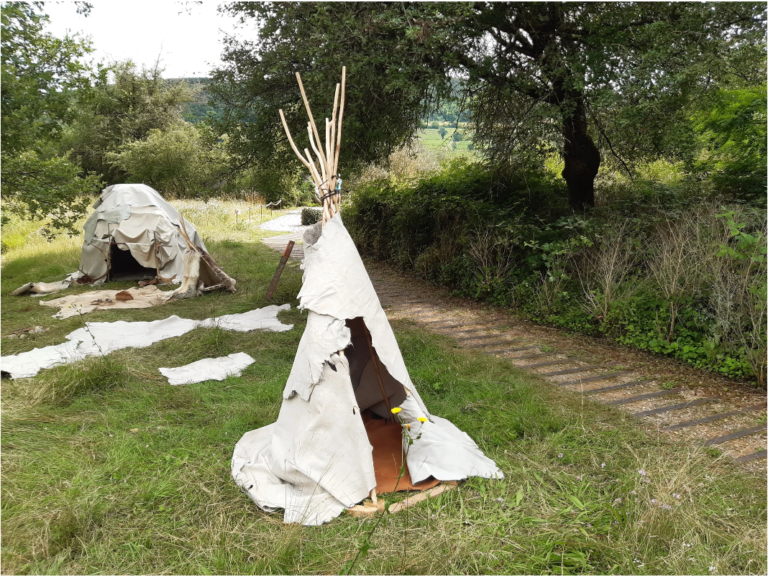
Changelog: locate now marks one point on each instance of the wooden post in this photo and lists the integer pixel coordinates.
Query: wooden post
(279, 271)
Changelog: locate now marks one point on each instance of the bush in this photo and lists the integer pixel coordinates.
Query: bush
(310, 216)
(686, 280)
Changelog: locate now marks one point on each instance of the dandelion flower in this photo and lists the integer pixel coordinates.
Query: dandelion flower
(422, 419)
(408, 426)
(396, 410)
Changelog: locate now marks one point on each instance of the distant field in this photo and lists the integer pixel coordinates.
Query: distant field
(430, 138)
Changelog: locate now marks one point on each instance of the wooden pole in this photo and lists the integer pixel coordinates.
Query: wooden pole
(279, 271)
(311, 118)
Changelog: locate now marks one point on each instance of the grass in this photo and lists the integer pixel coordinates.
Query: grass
(431, 140)
(108, 469)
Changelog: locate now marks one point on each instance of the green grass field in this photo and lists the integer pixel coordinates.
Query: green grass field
(430, 138)
(586, 491)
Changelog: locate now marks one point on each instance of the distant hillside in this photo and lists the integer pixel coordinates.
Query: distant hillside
(199, 109)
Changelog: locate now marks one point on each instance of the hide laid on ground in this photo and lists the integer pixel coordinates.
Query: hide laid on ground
(332, 443)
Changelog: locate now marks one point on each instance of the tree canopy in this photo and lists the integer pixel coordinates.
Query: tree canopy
(41, 77)
(588, 80)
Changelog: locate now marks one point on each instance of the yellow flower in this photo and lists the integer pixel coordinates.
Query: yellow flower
(423, 419)
(408, 426)
(396, 410)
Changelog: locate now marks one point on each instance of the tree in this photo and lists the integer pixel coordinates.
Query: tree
(395, 76)
(557, 75)
(182, 160)
(442, 132)
(121, 111)
(41, 76)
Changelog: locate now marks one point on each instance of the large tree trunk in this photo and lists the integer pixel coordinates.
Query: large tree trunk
(581, 157)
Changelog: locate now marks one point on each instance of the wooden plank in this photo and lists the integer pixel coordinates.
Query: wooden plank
(550, 363)
(279, 271)
(576, 370)
(712, 418)
(462, 330)
(591, 379)
(493, 344)
(675, 407)
(423, 496)
(502, 351)
(751, 457)
(479, 337)
(646, 396)
(468, 323)
(616, 387)
(736, 435)
(535, 356)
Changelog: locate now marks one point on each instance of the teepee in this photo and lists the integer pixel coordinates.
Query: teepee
(331, 446)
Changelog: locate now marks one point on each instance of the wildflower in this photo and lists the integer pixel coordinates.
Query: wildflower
(615, 522)
(602, 465)
(559, 455)
(589, 524)
(642, 472)
(654, 501)
(676, 495)
(617, 501)
(422, 419)
(396, 410)
(633, 492)
(500, 500)
(712, 568)
(408, 426)
(580, 477)
(666, 507)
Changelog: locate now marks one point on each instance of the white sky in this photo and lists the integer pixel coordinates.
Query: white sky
(186, 36)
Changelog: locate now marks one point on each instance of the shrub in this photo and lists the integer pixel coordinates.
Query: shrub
(310, 216)
(684, 280)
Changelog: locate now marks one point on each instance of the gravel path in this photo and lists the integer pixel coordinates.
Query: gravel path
(290, 222)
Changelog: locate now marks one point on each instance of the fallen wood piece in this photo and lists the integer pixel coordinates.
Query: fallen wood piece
(423, 496)
(280, 267)
(367, 509)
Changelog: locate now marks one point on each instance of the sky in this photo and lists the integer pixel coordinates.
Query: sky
(187, 36)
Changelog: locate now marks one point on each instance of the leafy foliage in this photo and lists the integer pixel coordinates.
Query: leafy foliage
(183, 160)
(41, 76)
(685, 283)
(123, 111)
(584, 79)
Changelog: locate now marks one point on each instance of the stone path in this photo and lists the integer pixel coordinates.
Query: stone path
(734, 422)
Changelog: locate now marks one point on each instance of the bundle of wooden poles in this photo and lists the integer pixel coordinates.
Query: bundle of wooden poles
(327, 157)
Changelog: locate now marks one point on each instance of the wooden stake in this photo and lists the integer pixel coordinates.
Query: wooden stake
(279, 271)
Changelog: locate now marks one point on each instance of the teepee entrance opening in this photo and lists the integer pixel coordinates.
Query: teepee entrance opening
(369, 378)
(122, 265)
